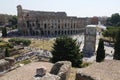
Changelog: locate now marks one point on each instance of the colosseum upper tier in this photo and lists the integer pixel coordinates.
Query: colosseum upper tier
(40, 23)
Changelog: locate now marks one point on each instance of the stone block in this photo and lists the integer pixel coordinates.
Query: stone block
(62, 69)
(40, 72)
(48, 76)
(80, 76)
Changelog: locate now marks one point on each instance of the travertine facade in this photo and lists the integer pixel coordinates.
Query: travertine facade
(90, 40)
(37, 23)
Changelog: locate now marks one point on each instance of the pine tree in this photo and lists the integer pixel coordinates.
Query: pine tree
(65, 48)
(7, 53)
(100, 51)
(117, 47)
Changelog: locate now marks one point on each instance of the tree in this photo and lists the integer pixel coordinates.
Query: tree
(100, 51)
(108, 21)
(6, 52)
(13, 21)
(65, 48)
(25, 42)
(111, 33)
(117, 47)
(114, 20)
(4, 32)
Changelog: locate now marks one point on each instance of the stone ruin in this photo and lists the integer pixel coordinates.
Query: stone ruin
(40, 72)
(80, 76)
(60, 71)
(4, 65)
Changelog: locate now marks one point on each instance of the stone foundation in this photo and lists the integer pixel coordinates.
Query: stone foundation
(60, 71)
(80, 76)
(4, 65)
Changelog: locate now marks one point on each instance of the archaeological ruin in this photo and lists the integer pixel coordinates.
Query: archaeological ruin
(40, 23)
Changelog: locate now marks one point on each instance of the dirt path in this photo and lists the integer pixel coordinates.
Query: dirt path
(26, 72)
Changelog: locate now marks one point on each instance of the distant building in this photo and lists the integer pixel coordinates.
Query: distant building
(4, 19)
(103, 20)
(90, 40)
(40, 23)
(94, 20)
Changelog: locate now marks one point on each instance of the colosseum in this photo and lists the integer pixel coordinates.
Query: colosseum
(40, 23)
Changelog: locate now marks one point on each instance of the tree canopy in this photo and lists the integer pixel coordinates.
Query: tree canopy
(13, 20)
(114, 20)
(117, 47)
(65, 48)
(4, 32)
(111, 32)
(18, 41)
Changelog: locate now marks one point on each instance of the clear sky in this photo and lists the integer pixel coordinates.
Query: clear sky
(80, 8)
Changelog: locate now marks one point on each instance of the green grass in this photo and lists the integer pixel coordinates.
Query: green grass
(27, 61)
(43, 44)
(3, 44)
(85, 64)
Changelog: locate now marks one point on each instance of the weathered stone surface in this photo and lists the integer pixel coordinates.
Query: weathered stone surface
(55, 69)
(90, 40)
(62, 69)
(4, 65)
(36, 18)
(26, 72)
(40, 72)
(82, 77)
(48, 76)
(11, 60)
(107, 70)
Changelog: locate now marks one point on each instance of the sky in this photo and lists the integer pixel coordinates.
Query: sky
(79, 8)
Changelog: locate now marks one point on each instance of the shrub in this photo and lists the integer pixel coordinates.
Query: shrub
(4, 32)
(18, 41)
(65, 48)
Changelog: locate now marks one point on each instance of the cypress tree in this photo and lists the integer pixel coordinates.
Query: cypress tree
(4, 32)
(6, 52)
(117, 47)
(100, 51)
